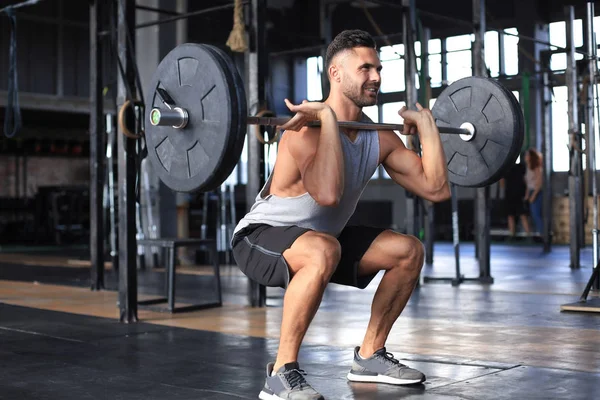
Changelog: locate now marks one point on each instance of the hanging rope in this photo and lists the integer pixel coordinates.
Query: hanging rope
(237, 37)
(12, 119)
(378, 29)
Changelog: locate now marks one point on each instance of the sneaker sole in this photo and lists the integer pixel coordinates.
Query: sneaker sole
(268, 396)
(382, 379)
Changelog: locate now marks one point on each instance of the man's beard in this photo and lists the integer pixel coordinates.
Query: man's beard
(357, 94)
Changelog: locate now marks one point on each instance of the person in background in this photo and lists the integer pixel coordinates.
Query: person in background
(515, 190)
(533, 181)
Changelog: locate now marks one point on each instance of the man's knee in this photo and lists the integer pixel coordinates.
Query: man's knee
(319, 252)
(325, 252)
(413, 255)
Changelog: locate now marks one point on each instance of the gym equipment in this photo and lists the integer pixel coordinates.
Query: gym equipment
(197, 111)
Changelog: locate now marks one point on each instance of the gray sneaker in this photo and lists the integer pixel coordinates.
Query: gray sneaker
(289, 384)
(382, 367)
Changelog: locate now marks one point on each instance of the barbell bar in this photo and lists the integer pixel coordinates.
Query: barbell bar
(198, 116)
(178, 118)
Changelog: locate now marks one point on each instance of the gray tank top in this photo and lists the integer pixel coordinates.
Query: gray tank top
(361, 159)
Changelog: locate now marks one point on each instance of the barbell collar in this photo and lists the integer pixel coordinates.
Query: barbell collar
(177, 117)
(356, 125)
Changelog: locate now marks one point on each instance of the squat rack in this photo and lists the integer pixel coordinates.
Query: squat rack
(127, 86)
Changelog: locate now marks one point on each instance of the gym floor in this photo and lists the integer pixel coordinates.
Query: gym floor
(508, 340)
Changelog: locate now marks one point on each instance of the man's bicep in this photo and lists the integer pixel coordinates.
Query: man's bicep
(397, 158)
(402, 162)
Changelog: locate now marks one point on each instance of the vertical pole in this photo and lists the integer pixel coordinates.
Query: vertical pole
(325, 9)
(425, 86)
(547, 154)
(591, 130)
(110, 175)
(455, 236)
(96, 150)
(17, 177)
(501, 54)
(257, 66)
(126, 170)
(410, 74)
(444, 57)
(426, 96)
(60, 39)
(574, 155)
(24, 175)
(482, 204)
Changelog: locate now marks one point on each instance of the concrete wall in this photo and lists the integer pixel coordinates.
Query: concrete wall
(40, 171)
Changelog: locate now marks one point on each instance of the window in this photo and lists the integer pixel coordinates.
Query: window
(458, 57)
(389, 115)
(558, 37)
(511, 52)
(372, 112)
(435, 62)
(560, 130)
(243, 164)
(462, 42)
(517, 95)
(435, 46)
(459, 65)
(435, 69)
(491, 52)
(392, 74)
(314, 70)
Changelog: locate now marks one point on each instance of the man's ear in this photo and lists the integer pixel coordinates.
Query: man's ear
(334, 73)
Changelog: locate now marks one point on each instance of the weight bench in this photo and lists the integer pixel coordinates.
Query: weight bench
(171, 244)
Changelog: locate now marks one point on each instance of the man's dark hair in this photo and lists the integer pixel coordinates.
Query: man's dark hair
(346, 40)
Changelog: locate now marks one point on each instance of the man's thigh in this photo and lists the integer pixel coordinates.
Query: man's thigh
(356, 243)
(258, 251)
(387, 251)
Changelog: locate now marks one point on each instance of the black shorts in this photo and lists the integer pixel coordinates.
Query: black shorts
(515, 206)
(258, 251)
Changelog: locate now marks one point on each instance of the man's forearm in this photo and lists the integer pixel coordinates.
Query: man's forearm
(433, 158)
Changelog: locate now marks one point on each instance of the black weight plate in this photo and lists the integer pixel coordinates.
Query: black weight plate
(487, 105)
(519, 128)
(188, 159)
(519, 139)
(228, 162)
(236, 140)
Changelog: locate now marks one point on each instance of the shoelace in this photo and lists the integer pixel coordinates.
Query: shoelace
(389, 359)
(295, 377)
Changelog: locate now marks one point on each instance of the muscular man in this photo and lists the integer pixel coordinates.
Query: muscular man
(295, 235)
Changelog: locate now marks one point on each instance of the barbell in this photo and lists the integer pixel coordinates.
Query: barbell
(198, 116)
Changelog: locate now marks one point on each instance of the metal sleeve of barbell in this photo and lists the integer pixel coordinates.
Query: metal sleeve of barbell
(352, 125)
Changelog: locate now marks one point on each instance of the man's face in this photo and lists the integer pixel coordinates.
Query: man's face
(361, 76)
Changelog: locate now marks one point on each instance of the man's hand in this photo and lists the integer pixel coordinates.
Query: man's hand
(306, 112)
(413, 120)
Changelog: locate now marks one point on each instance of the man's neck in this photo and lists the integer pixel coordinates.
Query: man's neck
(344, 108)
